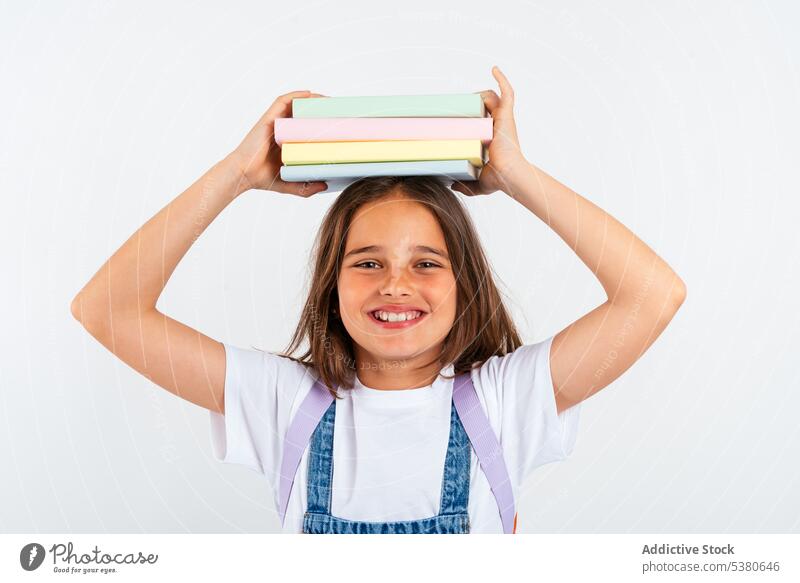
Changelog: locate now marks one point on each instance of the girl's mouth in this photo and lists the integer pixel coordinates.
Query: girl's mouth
(415, 319)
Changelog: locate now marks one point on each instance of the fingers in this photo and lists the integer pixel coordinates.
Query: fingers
(304, 189)
(504, 109)
(506, 91)
(499, 106)
(282, 106)
(491, 100)
(468, 187)
(286, 100)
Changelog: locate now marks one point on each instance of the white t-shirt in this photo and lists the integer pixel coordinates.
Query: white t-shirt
(390, 446)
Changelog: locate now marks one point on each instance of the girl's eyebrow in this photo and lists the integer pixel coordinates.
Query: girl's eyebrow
(372, 248)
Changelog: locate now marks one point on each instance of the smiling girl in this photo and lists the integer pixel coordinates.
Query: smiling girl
(415, 407)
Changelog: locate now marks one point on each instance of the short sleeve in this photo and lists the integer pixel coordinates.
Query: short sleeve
(518, 388)
(260, 390)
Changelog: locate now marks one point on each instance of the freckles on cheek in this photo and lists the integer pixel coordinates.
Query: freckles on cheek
(441, 288)
(352, 293)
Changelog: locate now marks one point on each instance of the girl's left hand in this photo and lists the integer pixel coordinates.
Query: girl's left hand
(504, 151)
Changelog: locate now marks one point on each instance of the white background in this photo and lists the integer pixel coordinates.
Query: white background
(680, 119)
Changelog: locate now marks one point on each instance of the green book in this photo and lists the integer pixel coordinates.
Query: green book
(447, 105)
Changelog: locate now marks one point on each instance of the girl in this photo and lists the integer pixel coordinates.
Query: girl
(415, 385)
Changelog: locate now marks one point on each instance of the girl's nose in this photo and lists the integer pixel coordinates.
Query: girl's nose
(396, 283)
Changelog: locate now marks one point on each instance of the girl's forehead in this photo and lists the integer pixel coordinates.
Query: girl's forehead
(390, 204)
(397, 212)
(394, 224)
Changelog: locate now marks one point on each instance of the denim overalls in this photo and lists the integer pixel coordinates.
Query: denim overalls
(469, 428)
(452, 517)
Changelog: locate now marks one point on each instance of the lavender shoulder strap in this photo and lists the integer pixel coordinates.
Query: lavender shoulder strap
(486, 446)
(470, 412)
(298, 436)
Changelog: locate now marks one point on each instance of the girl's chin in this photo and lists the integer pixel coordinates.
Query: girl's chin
(395, 352)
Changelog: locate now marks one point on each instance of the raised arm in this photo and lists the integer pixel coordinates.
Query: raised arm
(644, 293)
(118, 305)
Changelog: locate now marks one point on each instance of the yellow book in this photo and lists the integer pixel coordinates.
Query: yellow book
(293, 154)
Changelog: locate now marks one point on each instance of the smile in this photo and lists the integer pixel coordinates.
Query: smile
(397, 320)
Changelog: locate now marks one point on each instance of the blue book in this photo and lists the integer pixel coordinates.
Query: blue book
(340, 175)
(453, 169)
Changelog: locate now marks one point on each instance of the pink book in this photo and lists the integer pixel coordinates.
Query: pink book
(364, 129)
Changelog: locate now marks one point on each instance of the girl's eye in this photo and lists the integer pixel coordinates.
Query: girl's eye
(364, 263)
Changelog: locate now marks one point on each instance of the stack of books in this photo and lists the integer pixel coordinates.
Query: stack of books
(341, 139)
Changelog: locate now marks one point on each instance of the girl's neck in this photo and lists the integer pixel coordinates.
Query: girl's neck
(393, 375)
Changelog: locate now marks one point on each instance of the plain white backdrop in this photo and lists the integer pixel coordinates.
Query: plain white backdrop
(680, 119)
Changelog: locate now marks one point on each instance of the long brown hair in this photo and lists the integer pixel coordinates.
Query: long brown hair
(482, 328)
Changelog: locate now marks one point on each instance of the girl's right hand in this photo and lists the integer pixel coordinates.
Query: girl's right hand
(258, 157)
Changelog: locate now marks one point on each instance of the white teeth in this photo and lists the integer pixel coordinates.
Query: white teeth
(397, 317)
